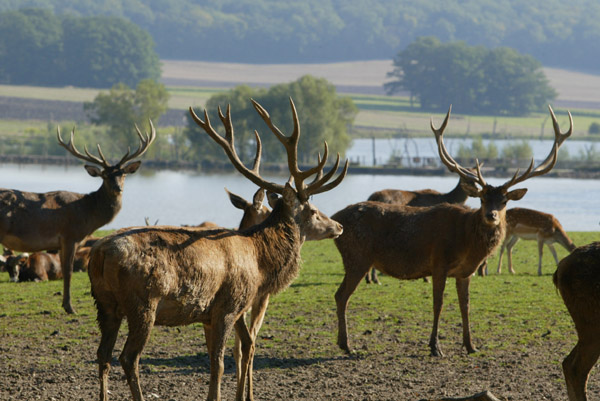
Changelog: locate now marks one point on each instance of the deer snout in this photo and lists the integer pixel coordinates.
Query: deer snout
(493, 217)
(338, 229)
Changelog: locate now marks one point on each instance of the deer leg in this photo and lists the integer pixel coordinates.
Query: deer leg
(509, 248)
(577, 366)
(439, 283)
(462, 289)
(540, 254)
(499, 270)
(208, 338)
(342, 295)
(259, 308)
(67, 255)
(109, 328)
(140, 319)
(553, 252)
(221, 329)
(244, 337)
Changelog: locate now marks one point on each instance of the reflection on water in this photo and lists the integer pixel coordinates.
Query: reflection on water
(175, 198)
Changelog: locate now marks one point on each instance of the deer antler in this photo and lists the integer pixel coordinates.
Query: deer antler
(145, 142)
(73, 150)
(291, 145)
(448, 160)
(550, 160)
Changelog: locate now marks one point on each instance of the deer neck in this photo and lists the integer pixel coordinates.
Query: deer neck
(485, 238)
(457, 195)
(278, 244)
(104, 204)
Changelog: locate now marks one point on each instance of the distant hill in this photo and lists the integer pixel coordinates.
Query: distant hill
(558, 33)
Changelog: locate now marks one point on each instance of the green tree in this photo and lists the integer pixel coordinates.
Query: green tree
(122, 108)
(100, 52)
(323, 116)
(473, 79)
(517, 151)
(30, 47)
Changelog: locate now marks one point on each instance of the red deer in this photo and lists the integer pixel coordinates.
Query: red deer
(423, 197)
(530, 224)
(578, 279)
(164, 275)
(60, 220)
(440, 241)
(38, 266)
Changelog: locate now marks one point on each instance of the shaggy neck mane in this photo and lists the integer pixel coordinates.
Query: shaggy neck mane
(277, 242)
(485, 238)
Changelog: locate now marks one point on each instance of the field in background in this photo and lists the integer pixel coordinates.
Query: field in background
(193, 83)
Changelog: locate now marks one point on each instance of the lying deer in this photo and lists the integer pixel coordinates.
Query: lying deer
(578, 279)
(59, 220)
(530, 224)
(440, 241)
(38, 266)
(164, 275)
(423, 197)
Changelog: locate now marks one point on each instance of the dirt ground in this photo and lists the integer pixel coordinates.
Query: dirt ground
(175, 366)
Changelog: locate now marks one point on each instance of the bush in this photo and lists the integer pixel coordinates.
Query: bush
(594, 128)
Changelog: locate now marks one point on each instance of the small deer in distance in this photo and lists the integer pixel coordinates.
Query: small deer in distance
(529, 224)
(60, 220)
(440, 241)
(163, 275)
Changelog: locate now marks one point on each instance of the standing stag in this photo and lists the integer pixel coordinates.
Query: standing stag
(423, 197)
(178, 276)
(531, 224)
(59, 220)
(440, 241)
(578, 280)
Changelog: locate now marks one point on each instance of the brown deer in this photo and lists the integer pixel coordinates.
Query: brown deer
(578, 279)
(531, 224)
(38, 266)
(423, 197)
(60, 220)
(440, 241)
(177, 276)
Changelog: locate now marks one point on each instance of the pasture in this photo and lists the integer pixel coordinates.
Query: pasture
(519, 324)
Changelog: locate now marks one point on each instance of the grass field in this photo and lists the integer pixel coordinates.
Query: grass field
(512, 316)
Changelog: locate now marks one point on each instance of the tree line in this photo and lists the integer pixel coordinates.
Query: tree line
(38, 47)
(558, 33)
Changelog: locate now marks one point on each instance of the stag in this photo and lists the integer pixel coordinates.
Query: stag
(440, 241)
(59, 220)
(164, 275)
(578, 279)
(531, 224)
(423, 197)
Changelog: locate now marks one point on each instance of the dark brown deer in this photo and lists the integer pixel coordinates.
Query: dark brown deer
(440, 241)
(422, 197)
(177, 276)
(578, 280)
(59, 220)
(529, 224)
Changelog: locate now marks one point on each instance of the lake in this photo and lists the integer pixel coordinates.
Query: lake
(184, 197)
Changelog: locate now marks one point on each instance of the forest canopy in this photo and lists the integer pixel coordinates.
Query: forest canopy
(557, 33)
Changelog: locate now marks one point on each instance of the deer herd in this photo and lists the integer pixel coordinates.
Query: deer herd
(178, 275)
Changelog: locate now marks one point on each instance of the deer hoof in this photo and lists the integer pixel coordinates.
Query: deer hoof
(436, 350)
(69, 309)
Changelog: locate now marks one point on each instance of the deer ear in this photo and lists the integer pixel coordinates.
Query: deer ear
(258, 198)
(470, 189)
(272, 199)
(289, 195)
(132, 167)
(93, 170)
(237, 200)
(516, 194)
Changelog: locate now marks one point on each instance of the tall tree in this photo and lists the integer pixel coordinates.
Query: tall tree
(323, 117)
(475, 80)
(122, 108)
